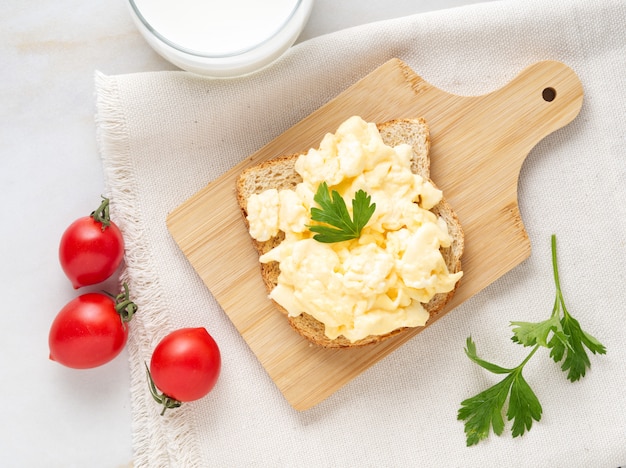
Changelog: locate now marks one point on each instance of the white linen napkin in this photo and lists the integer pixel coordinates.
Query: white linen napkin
(163, 136)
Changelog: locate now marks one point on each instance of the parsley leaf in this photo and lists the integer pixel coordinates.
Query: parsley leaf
(530, 333)
(576, 339)
(334, 212)
(576, 360)
(470, 351)
(524, 406)
(484, 411)
(565, 338)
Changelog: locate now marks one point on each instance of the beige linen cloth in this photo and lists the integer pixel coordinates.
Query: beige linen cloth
(163, 136)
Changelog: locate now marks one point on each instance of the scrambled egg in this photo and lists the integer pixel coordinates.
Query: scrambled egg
(366, 286)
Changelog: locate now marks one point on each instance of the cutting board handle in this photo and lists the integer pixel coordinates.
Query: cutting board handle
(507, 122)
(541, 99)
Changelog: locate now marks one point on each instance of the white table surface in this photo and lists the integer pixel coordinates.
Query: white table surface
(51, 174)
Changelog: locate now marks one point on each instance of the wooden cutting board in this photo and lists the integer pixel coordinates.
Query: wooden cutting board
(478, 146)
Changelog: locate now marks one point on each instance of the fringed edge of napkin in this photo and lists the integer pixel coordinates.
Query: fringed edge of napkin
(153, 435)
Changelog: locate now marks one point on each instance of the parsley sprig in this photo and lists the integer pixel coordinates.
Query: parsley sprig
(334, 212)
(565, 338)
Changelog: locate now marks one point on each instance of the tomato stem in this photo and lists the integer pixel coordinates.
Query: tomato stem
(101, 214)
(124, 306)
(160, 398)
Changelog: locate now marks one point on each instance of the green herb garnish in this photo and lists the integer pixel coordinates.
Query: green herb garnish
(334, 212)
(563, 335)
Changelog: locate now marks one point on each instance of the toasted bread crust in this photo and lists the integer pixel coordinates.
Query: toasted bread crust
(279, 173)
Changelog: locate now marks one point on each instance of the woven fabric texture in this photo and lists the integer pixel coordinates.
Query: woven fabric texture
(163, 136)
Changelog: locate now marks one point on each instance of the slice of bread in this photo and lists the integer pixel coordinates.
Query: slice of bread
(280, 174)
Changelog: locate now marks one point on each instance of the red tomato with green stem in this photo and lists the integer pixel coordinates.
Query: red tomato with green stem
(91, 248)
(91, 329)
(185, 366)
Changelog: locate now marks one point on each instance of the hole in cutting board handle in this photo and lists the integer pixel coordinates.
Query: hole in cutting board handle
(548, 94)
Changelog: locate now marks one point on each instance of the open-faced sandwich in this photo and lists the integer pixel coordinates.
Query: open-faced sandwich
(355, 242)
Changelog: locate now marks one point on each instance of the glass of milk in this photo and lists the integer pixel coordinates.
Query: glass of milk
(220, 38)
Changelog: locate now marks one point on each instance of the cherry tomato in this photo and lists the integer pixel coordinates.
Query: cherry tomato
(185, 366)
(90, 330)
(91, 248)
